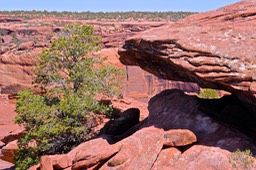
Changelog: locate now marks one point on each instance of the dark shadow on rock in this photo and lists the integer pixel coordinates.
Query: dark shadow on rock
(139, 145)
(214, 122)
(231, 111)
(11, 168)
(128, 119)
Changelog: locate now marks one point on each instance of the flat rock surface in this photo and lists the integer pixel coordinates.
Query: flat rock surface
(6, 165)
(7, 115)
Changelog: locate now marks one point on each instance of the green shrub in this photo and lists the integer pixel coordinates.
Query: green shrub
(62, 116)
(208, 94)
(242, 160)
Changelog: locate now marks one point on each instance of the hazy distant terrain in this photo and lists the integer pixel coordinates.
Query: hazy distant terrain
(101, 16)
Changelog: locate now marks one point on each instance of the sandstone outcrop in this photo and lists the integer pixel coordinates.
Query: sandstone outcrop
(214, 49)
(179, 137)
(158, 142)
(6, 165)
(9, 132)
(22, 41)
(8, 151)
(26, 45)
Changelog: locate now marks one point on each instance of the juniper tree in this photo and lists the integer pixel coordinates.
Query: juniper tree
(60, 117)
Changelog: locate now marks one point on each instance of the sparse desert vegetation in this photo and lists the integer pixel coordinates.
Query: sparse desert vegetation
(100, 16)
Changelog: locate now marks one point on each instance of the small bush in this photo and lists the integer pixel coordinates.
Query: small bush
(242, 160)
(208, 94)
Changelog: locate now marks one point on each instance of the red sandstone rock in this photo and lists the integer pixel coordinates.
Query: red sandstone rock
(6, 39)
(126, 103)
(172, 109)
(142, 85)
(203, 38)
(13, 135)
(92, 153)
(9, 19)
(16, 65)
(143, 148)
(6, 165)
(1, 144)
(53, 161)
(179, 137)
(4, 49)
(35, 167)
(138, 151)
(26, 45)
(215, 49)
(167, 110)
(89, 154)
(8, 130)
(166, 159)
(201, 158)
(17, 60)
(8, 151)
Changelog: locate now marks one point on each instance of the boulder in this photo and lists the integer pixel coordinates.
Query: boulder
(92, 153)
(138, 151)
(52, 162)
(26, 45)
(179, 137)
(198, 157)
(13, 135)
(8, 151)
(126, 103)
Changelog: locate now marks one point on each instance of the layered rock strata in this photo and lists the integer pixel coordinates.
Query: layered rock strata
(214, 49)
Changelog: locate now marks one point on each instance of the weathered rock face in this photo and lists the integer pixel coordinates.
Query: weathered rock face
(161, 141)
(6, 165)
(8, 151)
(214, 49)
(22, 41)
(9, 132)
(142, 85)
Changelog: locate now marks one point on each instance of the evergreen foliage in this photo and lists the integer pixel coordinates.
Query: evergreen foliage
(62, 116)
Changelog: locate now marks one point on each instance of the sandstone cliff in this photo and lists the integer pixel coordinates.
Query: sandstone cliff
(214, 49)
